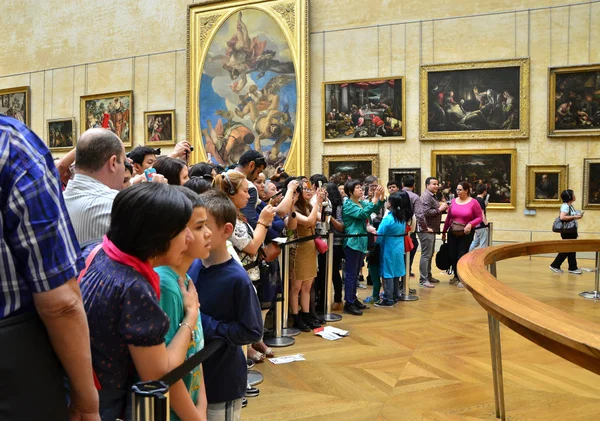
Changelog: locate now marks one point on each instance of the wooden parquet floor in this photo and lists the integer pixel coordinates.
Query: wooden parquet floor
(430, 360)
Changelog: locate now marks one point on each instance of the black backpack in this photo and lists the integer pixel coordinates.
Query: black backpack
(442, 258)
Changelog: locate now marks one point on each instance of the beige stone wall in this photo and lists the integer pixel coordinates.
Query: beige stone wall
(67, 49)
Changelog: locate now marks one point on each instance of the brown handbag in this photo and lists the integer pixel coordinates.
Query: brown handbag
(457, 229)
(271, 251)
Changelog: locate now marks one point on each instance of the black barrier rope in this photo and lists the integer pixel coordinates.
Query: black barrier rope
(194, 361)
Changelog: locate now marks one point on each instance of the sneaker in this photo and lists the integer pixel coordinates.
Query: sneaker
(412, 275)
(397, 299)
(384, 303)
(434, 281)
(412, 291)
(337, 306)
(244, 402)
(557, 270)
(368, 300)
(454, 281)
(361, 285)
(360, 305)
(426, 284)
(349, 308)
(310, 321)
(299, 324)
(575, 272)
(250, 363)
(252, 392)
(460, 285)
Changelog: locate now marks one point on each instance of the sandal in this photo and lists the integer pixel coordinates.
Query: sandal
(256, 356)
(263, 348)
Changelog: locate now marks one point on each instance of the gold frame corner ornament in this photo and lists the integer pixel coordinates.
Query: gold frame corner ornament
(586, 184)
(513, 169)
(374, 158)
(521, 133)
(204, 20)
(552, 73)
(563, 183)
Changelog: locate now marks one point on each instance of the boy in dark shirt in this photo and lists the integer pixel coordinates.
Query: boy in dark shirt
(480, 239)
(229, 309)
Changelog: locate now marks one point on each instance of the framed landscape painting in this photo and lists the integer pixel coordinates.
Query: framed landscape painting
(61, 134)
(496, 168)
(397, 174)
(160, 128)
(365, 109)
(574, 98)
(591, 183)
(248, 82)
(14, 102)
(475, 100)
(341, 168)
(112, 110)
(544, 185)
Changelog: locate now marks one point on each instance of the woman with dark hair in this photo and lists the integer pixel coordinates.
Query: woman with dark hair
(198, 184)
(203, 169)
(567, 213)
(391, 245)
(303, 259)
(355, 214)
(173, 169)
(464, 214)
(337, 226)
(121, 294)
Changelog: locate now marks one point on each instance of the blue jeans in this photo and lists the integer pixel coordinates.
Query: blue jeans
(354, 260)
(391, 288)
(480, 239)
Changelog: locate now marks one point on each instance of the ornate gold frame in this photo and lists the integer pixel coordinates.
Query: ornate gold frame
(586, 184)
(336, 82)
(342, 158)
(83, 117)
(552, 72)
(563, 183)
(205, 19)
(164, 142)
(513, 169)
(25, 90)
(73, 133)
(521, 133)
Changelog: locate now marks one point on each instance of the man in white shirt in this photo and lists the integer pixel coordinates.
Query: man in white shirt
(99, 170)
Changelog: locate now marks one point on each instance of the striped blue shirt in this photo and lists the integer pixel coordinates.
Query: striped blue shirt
(38, 248)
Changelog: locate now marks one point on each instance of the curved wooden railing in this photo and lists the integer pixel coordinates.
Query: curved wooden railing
(566, 335)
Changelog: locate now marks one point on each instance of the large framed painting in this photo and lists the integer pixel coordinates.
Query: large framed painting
(544, 185)
(341, 168)
(397, 174)
(366, 109)
(497, 168)
(475, 100)
(61, 134)
(160, 128)
(14, 102)
(248, 82)
(574, 98)
(591, 183)
(113, 111)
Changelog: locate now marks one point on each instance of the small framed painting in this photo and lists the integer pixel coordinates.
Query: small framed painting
(61, 134)
(14, 102)
(544, 185)
(341, 168)
(160, 128)
(397, 174)
(591, 183)
(113, 111)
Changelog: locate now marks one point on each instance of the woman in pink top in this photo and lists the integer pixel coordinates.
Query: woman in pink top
(464, 214)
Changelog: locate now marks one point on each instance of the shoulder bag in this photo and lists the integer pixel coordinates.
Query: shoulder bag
(565, 227)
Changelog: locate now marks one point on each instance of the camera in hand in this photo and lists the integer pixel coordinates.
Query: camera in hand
(191, 148)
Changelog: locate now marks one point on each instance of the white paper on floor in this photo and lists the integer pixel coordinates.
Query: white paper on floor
(331, 333)
(287, 359)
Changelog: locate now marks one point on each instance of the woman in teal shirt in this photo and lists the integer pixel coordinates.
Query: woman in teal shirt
(174, 286)
(355, 214)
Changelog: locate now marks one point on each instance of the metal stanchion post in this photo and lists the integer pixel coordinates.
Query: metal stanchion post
(278, 340)
(595, 294)
(327, 314)
(406, 295)
(285, 270)
(494, 328)
(150, 401)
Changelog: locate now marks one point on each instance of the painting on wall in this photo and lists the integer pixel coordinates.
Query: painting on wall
(341, 168)
(248, 82)
(364, 109)
(475, 100)
(113, 111)
(591, 183)
(160, 128)
(398, 174)
(574, 98)
(61, 134)
(14, 102)
(495, 167)
(544, 185)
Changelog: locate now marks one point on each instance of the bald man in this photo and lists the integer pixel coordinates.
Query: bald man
(99, 171)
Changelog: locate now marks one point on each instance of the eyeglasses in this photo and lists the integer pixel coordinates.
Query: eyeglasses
(460, 189)
(307, 189)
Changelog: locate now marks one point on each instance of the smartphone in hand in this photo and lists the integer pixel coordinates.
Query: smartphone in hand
(149, 173)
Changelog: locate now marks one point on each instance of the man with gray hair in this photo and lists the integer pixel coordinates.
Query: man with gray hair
(99, 171)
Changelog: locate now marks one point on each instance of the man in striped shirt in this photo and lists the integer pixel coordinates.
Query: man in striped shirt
(41, 311)
(100, 167)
